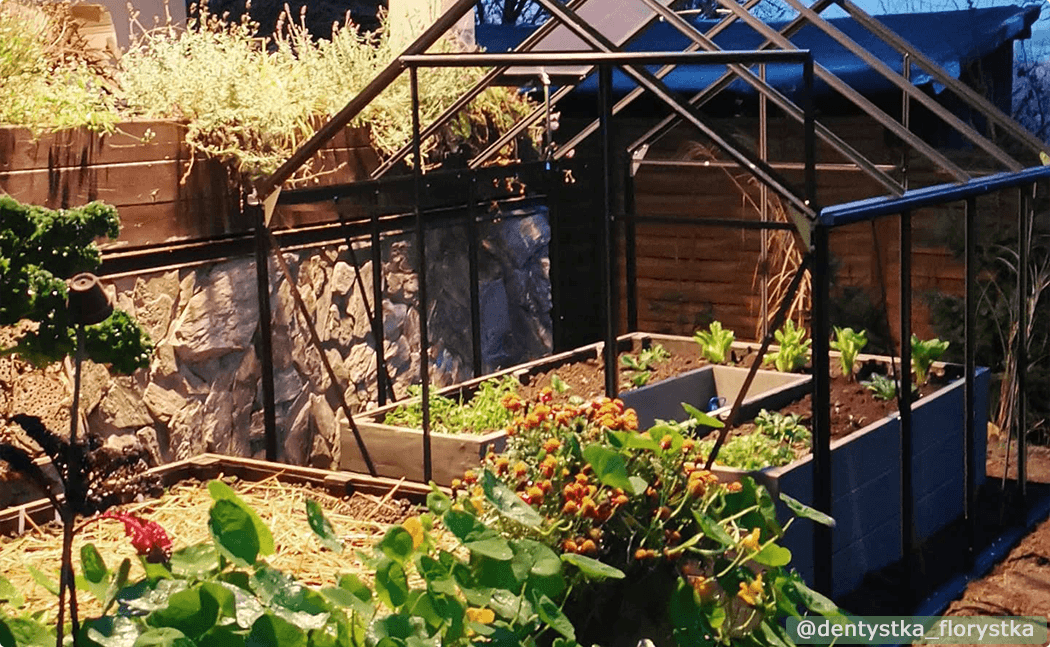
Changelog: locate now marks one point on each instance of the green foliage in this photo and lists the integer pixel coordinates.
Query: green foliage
(642, 364)
(40, 249)
(883, 387)
(715, 342)
(849, 344)
(41, 87)
(793, 352)
(771, 443)
(923, 354)
(617, 505)
(481, 414)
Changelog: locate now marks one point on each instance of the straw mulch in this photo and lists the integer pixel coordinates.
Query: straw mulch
(359, 520)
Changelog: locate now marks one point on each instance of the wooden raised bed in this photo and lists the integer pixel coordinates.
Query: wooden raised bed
(398, 451)
(16, 520)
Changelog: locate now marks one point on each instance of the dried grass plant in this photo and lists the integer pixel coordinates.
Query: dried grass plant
(784, 253)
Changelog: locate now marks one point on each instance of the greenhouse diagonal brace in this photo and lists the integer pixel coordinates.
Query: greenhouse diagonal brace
(316, 341)
(778, 321)
(643, 77)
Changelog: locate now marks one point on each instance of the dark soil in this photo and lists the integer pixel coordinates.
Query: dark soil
(587, 378)
(853, 406)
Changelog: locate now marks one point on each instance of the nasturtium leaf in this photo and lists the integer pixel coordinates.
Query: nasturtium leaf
(278, 589)
(540, 559)
(196, 561)
(592, 568)
(509, 605)
(802, 510)
(221, 492)
(6, 637)
(638, 441)
(508, 503)
(322, 527)
(223, 596)
(773, 555)
(97, 589)
(769, 634)
(154, 572)
(397, 544)
(271, 631)
(9, 594)
(163, 637)
(43, 580)
(438, 502)
(683, 609)
(192, 612)
(107, 631)
(28, 632)
(701, 417)
(234, 532)
(391, 584)
(550, 613)
(353, 584)
(609, 467)
(221, 637)
(247, 606)
(811, 599)
(347, 600)
(93, 565)
(712, 529)
(638, 484)
(497, 549)
(466, 526)
(423, 607)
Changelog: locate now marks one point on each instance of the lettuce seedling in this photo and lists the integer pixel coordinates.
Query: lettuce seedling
(923, 354)
(715, 342)
(849, 344)
(794, 349)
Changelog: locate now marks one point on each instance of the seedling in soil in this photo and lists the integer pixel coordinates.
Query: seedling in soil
(849, 344)
(778, 426)
(483, 413)
(643, 364)
(794, 349)
(923, 354)
(883, 387)
(715, 342)
(559, 385)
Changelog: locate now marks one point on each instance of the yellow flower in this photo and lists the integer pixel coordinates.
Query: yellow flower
(750, 542)
(483, 616)
(751, 592)
(414, 528)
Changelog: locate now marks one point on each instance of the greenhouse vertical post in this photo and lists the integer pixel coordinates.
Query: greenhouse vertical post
(969, 424)
(608, 243)
(262, 279)
(904, 400)
(421, 255)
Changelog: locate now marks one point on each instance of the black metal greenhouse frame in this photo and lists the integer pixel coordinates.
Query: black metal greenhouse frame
(606, 56)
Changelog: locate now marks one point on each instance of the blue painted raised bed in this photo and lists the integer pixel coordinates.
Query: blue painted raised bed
(866, 482)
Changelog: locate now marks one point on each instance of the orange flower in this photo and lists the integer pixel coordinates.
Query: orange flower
(705, 587)
(470, 477)
(664, 513)
(665, 442)
(551, 445)
(570, 508)
(751, 592)
(734, 486)
(521, 470)
(751, 541)
(688, 444)
(482, 616)
(569, 546)
(588, 547)
(588, 508)
(502, 463)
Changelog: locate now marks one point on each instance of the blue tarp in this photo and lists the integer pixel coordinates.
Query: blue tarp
(949, 38)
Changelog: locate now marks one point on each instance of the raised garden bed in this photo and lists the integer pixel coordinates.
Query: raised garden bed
(398, 451)
(866, 479)
(361, 509)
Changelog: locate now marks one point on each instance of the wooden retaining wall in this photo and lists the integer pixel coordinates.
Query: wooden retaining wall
(163, 192)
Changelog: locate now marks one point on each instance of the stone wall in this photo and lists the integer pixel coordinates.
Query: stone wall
(202, 391)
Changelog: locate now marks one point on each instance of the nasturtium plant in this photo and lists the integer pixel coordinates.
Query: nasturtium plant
(39, 249)
(621, 507)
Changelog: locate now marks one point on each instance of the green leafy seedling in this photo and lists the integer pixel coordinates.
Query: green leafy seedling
(715, 342)
(849, 344)
(783, 427)
(559, 385)
(643, 364)
(923, 354)
(883, 387)
(794, 349)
